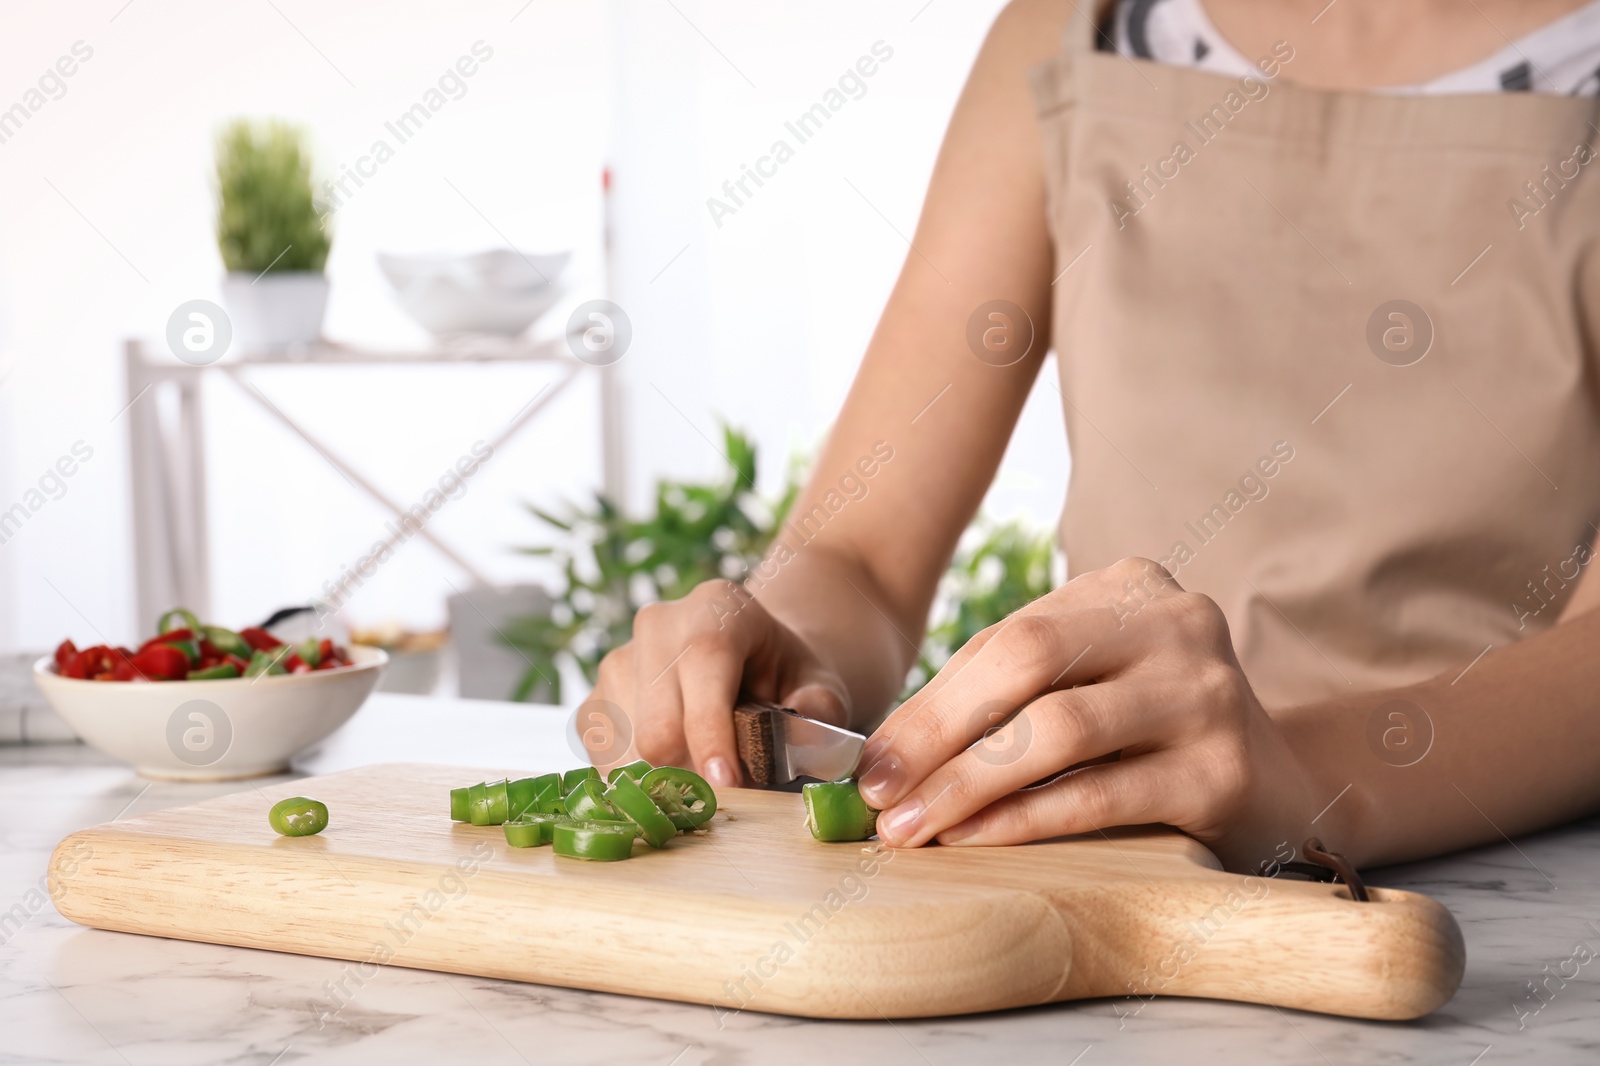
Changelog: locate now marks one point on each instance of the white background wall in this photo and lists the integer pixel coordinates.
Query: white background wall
(106, 223)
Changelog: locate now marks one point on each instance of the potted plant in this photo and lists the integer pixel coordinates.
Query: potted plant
(612, 564)
(272, 240)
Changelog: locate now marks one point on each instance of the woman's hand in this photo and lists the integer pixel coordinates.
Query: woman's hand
(676, 682)
(1121, 660)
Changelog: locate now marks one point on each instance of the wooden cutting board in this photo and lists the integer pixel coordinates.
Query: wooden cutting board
(753, 914)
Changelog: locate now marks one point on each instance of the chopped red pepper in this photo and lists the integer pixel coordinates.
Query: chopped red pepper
(89, 662)
(259, 638)
(171, 636)
(99, 663)
(162, 662)
(179, 653)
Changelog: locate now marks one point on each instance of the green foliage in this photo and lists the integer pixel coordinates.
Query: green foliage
(264, 200)
(613, 564)
(1007, 568)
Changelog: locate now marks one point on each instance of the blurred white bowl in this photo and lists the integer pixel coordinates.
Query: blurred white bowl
(499, 292)
(444, 309)
(211, 730)
(496, 269)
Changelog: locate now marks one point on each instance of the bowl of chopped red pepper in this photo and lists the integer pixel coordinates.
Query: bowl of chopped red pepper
(202, 702)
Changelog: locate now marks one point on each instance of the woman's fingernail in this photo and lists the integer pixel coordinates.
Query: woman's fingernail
(900, 824)
(881, 779)
(871, 751)
(718, 772)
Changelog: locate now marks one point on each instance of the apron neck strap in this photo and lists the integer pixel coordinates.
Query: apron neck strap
(1091, 27)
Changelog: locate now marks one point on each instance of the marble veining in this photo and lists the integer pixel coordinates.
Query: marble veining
(84, 996)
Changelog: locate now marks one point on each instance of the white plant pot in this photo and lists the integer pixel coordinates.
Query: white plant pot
(275, 311)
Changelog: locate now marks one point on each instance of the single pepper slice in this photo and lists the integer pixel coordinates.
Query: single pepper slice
(533, 795)
(489, 807)
(835, 811)
(634, 770)
(459, 810)
(214, 673)
(310, 652)
(181, 640)
(259, 638)
(637, 806)
(685, 796)
(227, 641)
(268, 662)
(594, 840)
(570, 779)
(587, 800)
(532, 830)
(160, 663)
(298, 816)
(186, 620)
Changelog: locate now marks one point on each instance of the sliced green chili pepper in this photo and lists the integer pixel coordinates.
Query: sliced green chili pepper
(190, 622)
(310, 651)
(570, 779)
(595, 840)
(532, 830)
(458, 805)
(214, 673)
(490, 806)
(189, 647)
(637, 806)
(675, 811)
(588, 800)
(634, 770)
(533, 795)
(227, 641)
(684, 795)
(298, 816)
(835, 811)
(268, 662)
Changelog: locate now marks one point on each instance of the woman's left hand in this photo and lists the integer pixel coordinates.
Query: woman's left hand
(1121, 660)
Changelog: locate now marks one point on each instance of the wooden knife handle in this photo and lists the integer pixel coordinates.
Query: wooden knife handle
(752, 731)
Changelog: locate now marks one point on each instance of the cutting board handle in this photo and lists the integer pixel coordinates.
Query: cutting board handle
(1286, 943)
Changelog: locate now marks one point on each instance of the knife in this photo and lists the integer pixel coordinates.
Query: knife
(779, 746)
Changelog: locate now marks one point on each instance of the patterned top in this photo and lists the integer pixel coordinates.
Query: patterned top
(1562, 57)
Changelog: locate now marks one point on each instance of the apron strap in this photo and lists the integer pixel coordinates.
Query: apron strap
(1091, 27)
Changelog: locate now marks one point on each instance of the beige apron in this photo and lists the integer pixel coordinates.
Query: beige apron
(1245, 403)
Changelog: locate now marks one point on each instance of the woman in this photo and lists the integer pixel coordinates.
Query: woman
(1322, 283)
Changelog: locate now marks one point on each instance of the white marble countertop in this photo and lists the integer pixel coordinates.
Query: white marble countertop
(75, 995)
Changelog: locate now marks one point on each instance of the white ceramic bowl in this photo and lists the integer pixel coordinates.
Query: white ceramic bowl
(211, 730)
(446, 309)
(498, 269)
(499, 292)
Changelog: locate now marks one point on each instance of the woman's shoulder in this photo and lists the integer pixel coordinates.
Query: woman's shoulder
(1030, 31)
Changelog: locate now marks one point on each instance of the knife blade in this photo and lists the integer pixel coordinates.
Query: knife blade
(778, 745)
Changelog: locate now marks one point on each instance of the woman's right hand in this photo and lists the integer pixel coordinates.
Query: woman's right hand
(668, 694)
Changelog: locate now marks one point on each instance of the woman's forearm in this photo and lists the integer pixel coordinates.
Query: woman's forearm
(832, 601)
(1505, 747)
